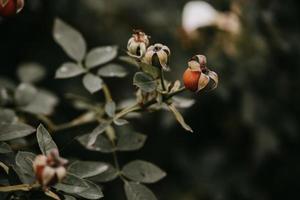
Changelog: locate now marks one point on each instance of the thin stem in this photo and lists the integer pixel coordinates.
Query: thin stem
(22, 187)
(162, 80)
(107, 93)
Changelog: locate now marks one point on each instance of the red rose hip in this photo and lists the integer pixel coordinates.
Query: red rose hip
(191, 79)
(11, 7)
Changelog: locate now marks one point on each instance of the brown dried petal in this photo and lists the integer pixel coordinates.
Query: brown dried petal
(203, 81)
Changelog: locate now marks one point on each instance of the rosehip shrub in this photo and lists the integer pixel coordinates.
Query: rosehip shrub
(25, 105)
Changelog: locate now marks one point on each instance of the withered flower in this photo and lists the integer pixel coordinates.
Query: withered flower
(49, 169)
(158, 55)
(137, 44)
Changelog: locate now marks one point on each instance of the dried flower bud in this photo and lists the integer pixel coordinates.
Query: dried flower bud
(158, 55)
(10, 7)
(137, 44)
(197, 76)
(49, 169)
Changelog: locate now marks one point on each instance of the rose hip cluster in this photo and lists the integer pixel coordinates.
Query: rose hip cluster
(10, 7)
(49, 169)
(156, 55)
(196, 77)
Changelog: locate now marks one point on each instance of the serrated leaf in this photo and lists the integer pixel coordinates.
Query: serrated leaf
(85, 169)
(130, 141)
(7, 116)
(112, 70)
(100, 55)
(110, 108)
(142, 171)
(120, 122)
(144, 81)
(136, 191)
(102, 143)
(31, 72)
(179, 118)
(25, 94)
(72, 184)
(69, 39)
(44, 139)
(24, 166)
(92, 82)
(68, 70)
(43, 103)
(93, 191)
(110, 174)
(5, 148)
(13, 131)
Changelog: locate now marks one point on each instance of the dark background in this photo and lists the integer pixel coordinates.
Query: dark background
(246, 140)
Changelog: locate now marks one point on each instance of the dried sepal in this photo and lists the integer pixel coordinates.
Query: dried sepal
(137, 44)
(158, 55)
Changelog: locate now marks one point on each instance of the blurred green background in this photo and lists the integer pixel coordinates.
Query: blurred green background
(246, 140)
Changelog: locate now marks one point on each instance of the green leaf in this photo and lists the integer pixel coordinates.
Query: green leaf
(7, 116)
(13, 131)
(96, 132)
(149, 69)
(102, 143)
(129, 60)
(72, 184)
(112, 70)
(92, 82)
(68, 70)
(24, 167)
(67, 197)
(144, 81)
(100, 55)
(130, 141)
(136, 191)
(5, 148)
(44, 139)
(25, 94)
(179, 118)
(69, 39)
(85, 169)
(120, 122)
(110, 108)
(142, 171)
(93, 191)
(110, 174)
(43, 103)
(31, 72)
(182, 102)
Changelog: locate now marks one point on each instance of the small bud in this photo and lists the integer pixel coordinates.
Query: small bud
(137, 44)
(10, 7)
(158, 55)
(198, 76)
(49, 169)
